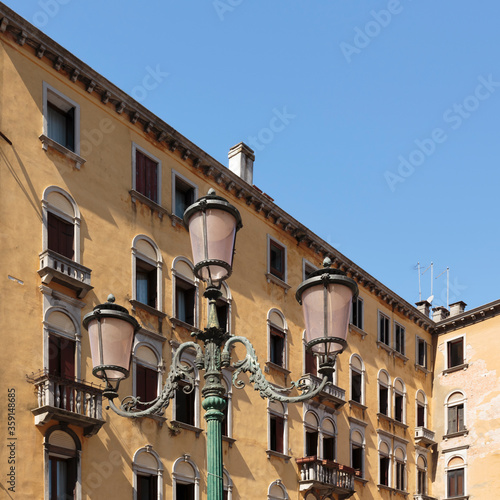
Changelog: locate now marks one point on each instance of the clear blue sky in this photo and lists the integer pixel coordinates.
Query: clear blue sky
(388, 142)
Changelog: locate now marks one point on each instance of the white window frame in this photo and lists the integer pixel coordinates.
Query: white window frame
(307, 264)
(176, 175)
(388, 386)
(362, 373)
(179, 478)
(270, 276)
(399, 446)
(418, 339)
(284, 415)
(227, 298)
(396, 325)
(379, 315)
(228, 484)
(383, 439)
(48, 89)
(281, 486)
(359, 429)
(75, 219)
(417, 404)
(137, 361)
(135, 148)
(188, 358)
(358, 300)
(189, 279)
(139, 470)
(448, 405)
(425, 470)
(403, 394)
(446, 360)
(308, 427)
(450, 455)
(283, 329)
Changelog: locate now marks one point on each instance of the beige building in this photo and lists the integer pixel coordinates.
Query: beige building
(93, 191)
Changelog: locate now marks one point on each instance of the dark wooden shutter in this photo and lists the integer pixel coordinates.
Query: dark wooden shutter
(151, 179)
(279, 434)
(70, 129)
(61, 235)
(460, 418)
(420, 415)
(452, 419)
(67, 358)
(140, 173)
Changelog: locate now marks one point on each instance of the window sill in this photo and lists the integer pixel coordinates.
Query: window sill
(151, 310)
(422, 369)
(188, 427)
(355, 329)
(277, 454)
(361, 479)
(385, 487)
(158, 418)
(47, 141)
(277, 281)
(401, 356)
(466, 497)
(401, 492)
(177, 221)
(136, 196)
(357, 405)
(386, 347)
(383, 416)
(400, 424)
(229, 440)
(278, 368)
(177, 322)
(457, 368)
(452, 435)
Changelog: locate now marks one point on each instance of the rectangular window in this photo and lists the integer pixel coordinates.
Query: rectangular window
(356, 394)
(62, 357)
(399, 338)
(146, 175)
(311, 444)
(146, 283)
(421, 482)
(311, 364)
(384, 470)
(384, 332)
(456, 421)
(277, 430)
(329, 448)
(400, 476)
(357, 457)
(307, 270)
(277, 346)
(61, 236)
(184, 491)
(62, 477)
(383, 400)
(185, 301)
(421, 352)
(420, 416)
(146, 384)
(357, 313)
(456, 352)
(147, 487)
(277, 260)
(184, 195)
(456, 483)
(398, 407)
(61, 125)
(184, 406)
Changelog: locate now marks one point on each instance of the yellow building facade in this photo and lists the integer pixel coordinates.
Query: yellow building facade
(93, 191)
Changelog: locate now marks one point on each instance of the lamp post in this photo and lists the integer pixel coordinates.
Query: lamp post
(326, 297)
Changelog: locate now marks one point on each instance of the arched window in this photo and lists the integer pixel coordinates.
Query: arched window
(61, 223)
(223, 306)
(399, 401)
(400, 469)
(455, 410)
(328, 442)
(185, 295)
(228, 485)
(148, 474)
(455, 477)
(147, 272)
(277, 491)
(358, 451)
(146, 365)
(421, 402)
(311, 428)
(384, 451)
(277, 428)
(421, 475)
(384, 389)
(277, 332)
(62, 450)
(186, 404)
(185, 479)
(357, 379)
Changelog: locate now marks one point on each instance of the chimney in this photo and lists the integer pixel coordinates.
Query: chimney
(457, 308)
(241, 159)
(440, 313)
(424, 307)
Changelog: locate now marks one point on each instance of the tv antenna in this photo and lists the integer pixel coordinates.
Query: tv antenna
(447, 271)
(420, 274)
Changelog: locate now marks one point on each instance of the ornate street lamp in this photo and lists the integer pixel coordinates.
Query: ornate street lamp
(213, 222)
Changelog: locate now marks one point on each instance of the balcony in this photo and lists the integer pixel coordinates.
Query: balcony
(326, 476)
(329, 393)
(60, 269)
(424, 436)
(64, 400)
